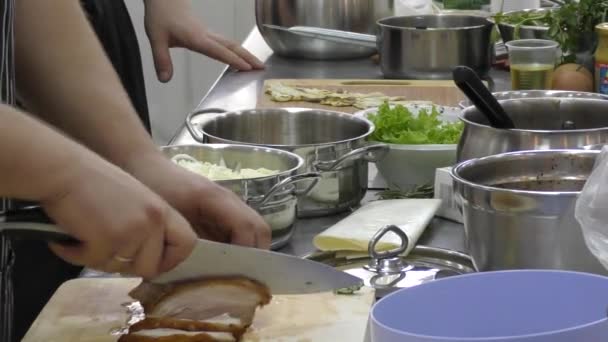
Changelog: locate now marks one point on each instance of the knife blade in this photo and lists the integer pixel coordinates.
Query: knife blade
(282, 273)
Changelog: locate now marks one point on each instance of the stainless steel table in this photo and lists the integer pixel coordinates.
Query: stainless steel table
(240, 90)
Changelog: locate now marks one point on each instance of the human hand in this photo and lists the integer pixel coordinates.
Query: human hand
(214, 212)
(123, 226)
(171, 24)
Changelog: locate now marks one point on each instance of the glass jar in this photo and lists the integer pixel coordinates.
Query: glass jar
(601, 59)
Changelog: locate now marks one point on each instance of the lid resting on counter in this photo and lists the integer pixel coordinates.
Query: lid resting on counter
(388, 271)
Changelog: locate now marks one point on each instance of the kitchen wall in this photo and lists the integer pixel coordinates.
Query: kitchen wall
(193, 74)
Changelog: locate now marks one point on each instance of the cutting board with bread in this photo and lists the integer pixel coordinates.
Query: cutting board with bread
(440, 92)
(94, 310)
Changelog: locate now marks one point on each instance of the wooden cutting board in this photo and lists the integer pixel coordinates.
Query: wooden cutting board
(89, 309)
(443, 92)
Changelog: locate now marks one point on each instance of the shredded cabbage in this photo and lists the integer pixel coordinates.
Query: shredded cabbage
(217, 172)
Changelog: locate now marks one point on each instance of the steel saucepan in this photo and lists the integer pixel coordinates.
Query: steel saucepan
(529, 94)
(421, 47)
(331, 143)
(273, 197)
(518, 210)
(350, 15)
(542, 124)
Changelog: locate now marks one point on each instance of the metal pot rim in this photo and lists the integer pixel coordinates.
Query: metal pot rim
(381, 23)
(263, 149)
(456, 170)
(370, 128)
(540, 131)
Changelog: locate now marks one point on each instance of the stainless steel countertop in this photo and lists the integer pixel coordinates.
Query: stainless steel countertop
(240, 90)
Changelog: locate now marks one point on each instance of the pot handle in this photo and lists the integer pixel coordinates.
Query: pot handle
(196, 134)
(371, 248)
(371, 153)
(310, 176)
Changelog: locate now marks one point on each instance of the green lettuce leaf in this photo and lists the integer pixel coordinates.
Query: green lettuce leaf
(398, 125)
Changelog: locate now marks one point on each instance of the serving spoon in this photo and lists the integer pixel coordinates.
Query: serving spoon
(471, 85)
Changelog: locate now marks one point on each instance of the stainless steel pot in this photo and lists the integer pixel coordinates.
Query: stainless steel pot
(528, 94)
(421, 47)
(274, 197)
(331, 143)
(518, 210)
(349, 15)
(542, 124)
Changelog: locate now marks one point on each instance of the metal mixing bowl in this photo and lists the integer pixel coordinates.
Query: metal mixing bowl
(507, 31)
(273, 197)
(347, 15)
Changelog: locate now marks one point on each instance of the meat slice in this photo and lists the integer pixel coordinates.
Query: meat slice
(175, 335)
(197, 310)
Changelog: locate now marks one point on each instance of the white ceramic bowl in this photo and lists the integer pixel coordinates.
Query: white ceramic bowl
(407, 166)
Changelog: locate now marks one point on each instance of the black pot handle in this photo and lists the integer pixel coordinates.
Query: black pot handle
(33, 223)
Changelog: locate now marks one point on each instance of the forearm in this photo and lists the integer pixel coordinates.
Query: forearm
(37, 162)
(64, 77)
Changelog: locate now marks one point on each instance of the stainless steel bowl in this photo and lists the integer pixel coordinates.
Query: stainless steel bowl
(331, 143)
(529, 94)
(273, 197)
(348, 15)
(518, 210)
(541, 124)
(507, 31)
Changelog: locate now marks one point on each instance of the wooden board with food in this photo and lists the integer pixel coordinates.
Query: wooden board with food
(353, 95)
(237, 309)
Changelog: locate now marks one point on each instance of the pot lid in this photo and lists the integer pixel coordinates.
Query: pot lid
(390, 270)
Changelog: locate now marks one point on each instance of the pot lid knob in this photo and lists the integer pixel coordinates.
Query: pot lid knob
(387, 262)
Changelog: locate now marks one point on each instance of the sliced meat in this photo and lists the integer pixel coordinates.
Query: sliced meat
(175, 335)
(203, 299)
(223, 323)
(196, 311)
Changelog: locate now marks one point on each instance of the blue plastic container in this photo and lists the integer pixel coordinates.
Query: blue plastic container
(522, 305)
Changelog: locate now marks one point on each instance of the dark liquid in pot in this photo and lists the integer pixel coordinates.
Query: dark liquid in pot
(570, 185)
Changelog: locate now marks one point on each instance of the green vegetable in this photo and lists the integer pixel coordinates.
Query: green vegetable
(398, 125)
(568, 25)
(423, 191)
(348, 290)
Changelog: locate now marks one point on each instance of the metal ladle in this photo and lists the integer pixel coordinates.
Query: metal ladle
(471, 85)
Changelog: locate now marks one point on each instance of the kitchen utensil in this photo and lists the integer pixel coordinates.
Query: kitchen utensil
(283, 274)
(524, 94)
(274, 197)
(539, 123)
(440, 92)
(392, 270)
(508, 306)
(95, 310)
(331, 143)
(532, 63)
(471, 85)
(349, 15)
(442, 41)
(518, 210)
(406, 167)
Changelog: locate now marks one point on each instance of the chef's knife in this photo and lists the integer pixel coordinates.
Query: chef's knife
(283, 274)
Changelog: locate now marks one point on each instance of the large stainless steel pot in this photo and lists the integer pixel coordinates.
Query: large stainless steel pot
(349, 15)
(542, 124)
(274, 197)
(422, 46)
(518, 210)
(528, 94)
(331, 143)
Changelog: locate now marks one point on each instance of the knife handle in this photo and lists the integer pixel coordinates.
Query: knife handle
(34, 224)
